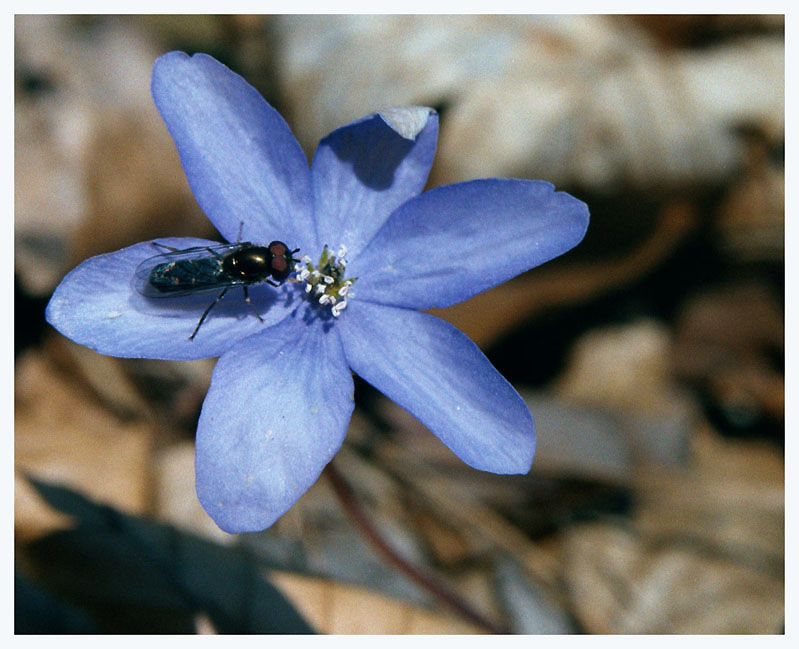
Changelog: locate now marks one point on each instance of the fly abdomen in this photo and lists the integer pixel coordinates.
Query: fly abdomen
(184, 276)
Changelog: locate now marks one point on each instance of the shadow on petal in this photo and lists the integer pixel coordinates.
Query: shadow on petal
(374, 166)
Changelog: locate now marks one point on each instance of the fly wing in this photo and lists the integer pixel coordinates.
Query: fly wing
(185, 272)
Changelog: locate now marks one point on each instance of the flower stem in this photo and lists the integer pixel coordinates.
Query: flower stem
(350, 503)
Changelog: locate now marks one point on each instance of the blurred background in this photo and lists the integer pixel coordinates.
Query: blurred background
(652, 355)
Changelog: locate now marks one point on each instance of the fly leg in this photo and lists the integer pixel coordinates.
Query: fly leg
(207, 311)
(169, 248)
(248, 301)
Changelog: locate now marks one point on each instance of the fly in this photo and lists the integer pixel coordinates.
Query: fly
(202, 269)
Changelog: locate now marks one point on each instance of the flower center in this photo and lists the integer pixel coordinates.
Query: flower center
(325, 282)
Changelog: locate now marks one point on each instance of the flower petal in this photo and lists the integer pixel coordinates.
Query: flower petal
(440, 376)
(97, 305)
(455, 241)
(363, 171)
(242, 161)
(276, 413)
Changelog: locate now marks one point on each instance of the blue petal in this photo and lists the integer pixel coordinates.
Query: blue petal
(242, 161)
(97, 305)
(440, 376)
(363, 171)
(276, 413)
(455, 241)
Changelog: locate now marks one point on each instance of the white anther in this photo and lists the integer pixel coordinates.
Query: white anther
(328, 289)
(327, 299)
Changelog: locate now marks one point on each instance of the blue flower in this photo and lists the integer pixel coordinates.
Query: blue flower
(281, 394)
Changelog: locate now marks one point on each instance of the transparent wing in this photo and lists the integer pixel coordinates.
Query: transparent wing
(185, 272)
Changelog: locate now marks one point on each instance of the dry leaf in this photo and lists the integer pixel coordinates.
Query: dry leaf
(64, 437)
(582, 99)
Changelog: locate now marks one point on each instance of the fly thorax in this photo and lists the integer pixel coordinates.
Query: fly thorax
(249, 264)
(325, 282)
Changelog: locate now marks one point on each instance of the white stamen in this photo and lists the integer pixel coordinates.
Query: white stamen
(328, 289)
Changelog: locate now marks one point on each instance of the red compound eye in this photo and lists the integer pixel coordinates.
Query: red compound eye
(281, 262)
(278, 248)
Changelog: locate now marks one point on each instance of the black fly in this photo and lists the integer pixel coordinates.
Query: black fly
(208, 268)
